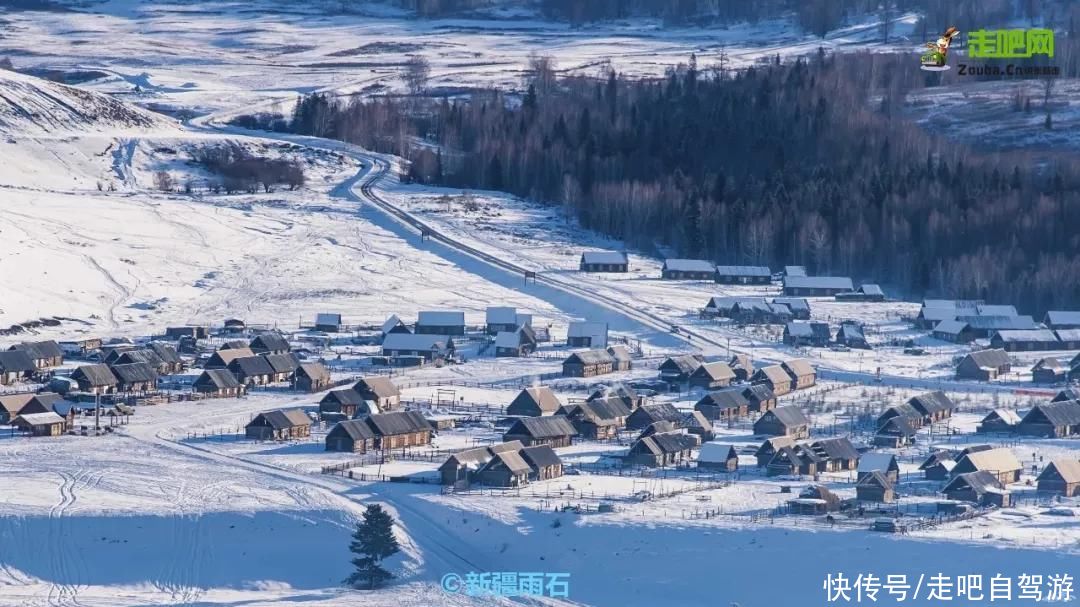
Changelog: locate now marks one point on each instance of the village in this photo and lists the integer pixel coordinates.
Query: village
(508, 407)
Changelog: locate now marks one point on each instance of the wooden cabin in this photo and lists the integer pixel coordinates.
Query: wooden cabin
(346, 403)
(724, 405)
(715, 456)
(555, 431)
(1061, 476)
(270, 342)
(775, 377)
(440, 322)
(589, 363)
(662, 449)
(311, 377)
(599, 419)
(352, 436)
(1058, 419)
(534, 402)
(1000, 462)
(40, 424)
(980, 487)
(711, 376)
(646, 415)
(379, 390)
(999, 421)
(135, 377)
(769, 448)
(885, 463)
(604, 261)
(874, 487)
(759, 398)
(783, 421)
(15, 366)
(283, 424)
(218, 383)
(984, 365)
(801, 372)
(399, 429)
(44, 354)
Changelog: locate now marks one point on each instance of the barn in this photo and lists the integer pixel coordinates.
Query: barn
(817, 286)
(604, 261)
(282, 424)
(534, 402)
(688, 269)
(743, 275)
(1062, 319)
(1033, 340)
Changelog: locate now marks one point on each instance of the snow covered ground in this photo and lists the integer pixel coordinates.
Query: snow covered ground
(157, 513)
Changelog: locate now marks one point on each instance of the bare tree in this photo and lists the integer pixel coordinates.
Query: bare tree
(541, 73)
(416, 74)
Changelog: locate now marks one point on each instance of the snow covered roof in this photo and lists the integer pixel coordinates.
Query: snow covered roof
(795, 303)
(1063, 317)
(414, 341)
(950, 327)
(871, 289)
(507, 339)
(1068, 334)
(743, 271)
(992, 323)
(1008, 416)
(713, 452)
(819, 282)
(327, 319)
(1032, 335)
(882, 462)
(995, 310)
(604, 257)
(441, 318)
(689, 265)
(39, 419)
(990, 359)
(789, 415)
(795, 270)
(391, 322)
(501, 315)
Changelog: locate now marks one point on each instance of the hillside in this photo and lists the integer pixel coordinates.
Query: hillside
(31, 106)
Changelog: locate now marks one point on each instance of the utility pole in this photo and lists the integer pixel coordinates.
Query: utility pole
(97, 413)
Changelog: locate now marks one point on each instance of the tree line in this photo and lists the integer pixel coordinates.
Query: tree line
(809, 162)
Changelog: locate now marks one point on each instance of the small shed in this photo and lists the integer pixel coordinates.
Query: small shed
(40, 424)
(717, 456)
(875, 487)
(282, 424)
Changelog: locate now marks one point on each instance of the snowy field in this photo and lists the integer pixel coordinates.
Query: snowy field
(157, 513)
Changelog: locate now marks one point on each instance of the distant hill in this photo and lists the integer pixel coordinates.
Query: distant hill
(31, 106)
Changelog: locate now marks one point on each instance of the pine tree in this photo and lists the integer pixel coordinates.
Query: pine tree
(372, 542)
